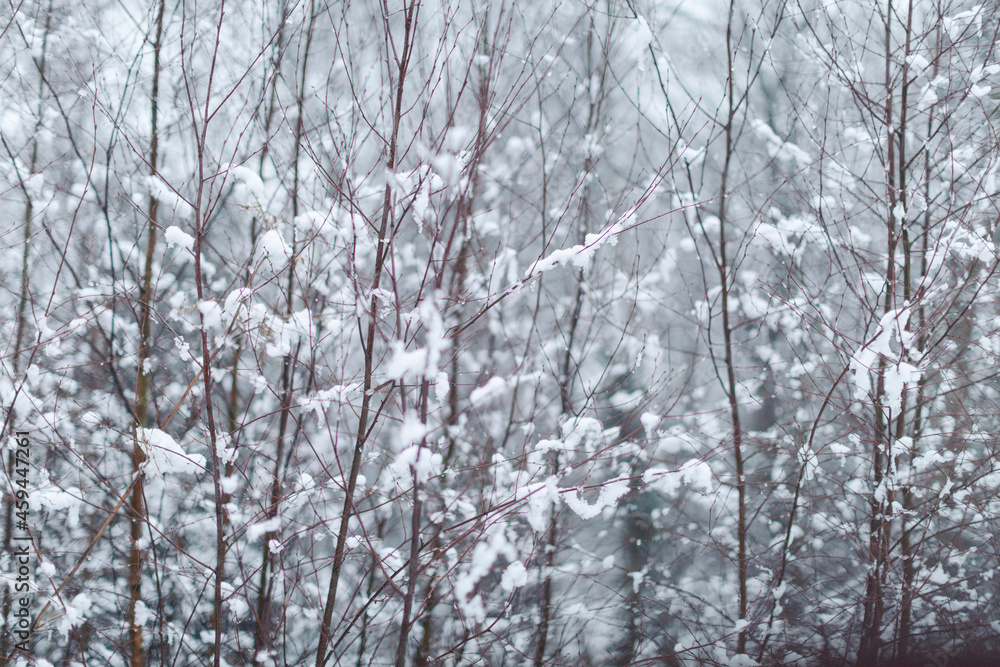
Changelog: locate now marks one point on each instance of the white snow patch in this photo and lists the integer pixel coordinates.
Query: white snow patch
(35, 184)
(968, 244)
(412, 431)
(442, 387)
(611, 492)
(483, 557)
(742, 659)
(514, 576)
(897, 378)
(211, 314)
(338, 394)
(164, 455)
(256, 530)
(406, 363)
(419, 184)
(235, 300)
(286, 333)
(56, 499)
(422, 362)
(162, 192)
(649, 422)
(142, 613)
(581, 254)
(696, 474)
(313, 223)
(175, 236)
(248, 189)
(273, 249)
(898, 373)
(229, 484)
(236, 604)
(74, 613)
(542, 498)
(917, 62)
(488, 391)
(927, 459)
(417, 460)
(783, 151)
(637, 41)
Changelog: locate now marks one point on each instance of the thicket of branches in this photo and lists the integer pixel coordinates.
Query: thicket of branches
(496, 333)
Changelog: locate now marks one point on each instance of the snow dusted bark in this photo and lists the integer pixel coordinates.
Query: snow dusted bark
(398, 63)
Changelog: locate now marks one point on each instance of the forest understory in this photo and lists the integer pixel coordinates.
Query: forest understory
(471, 332)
